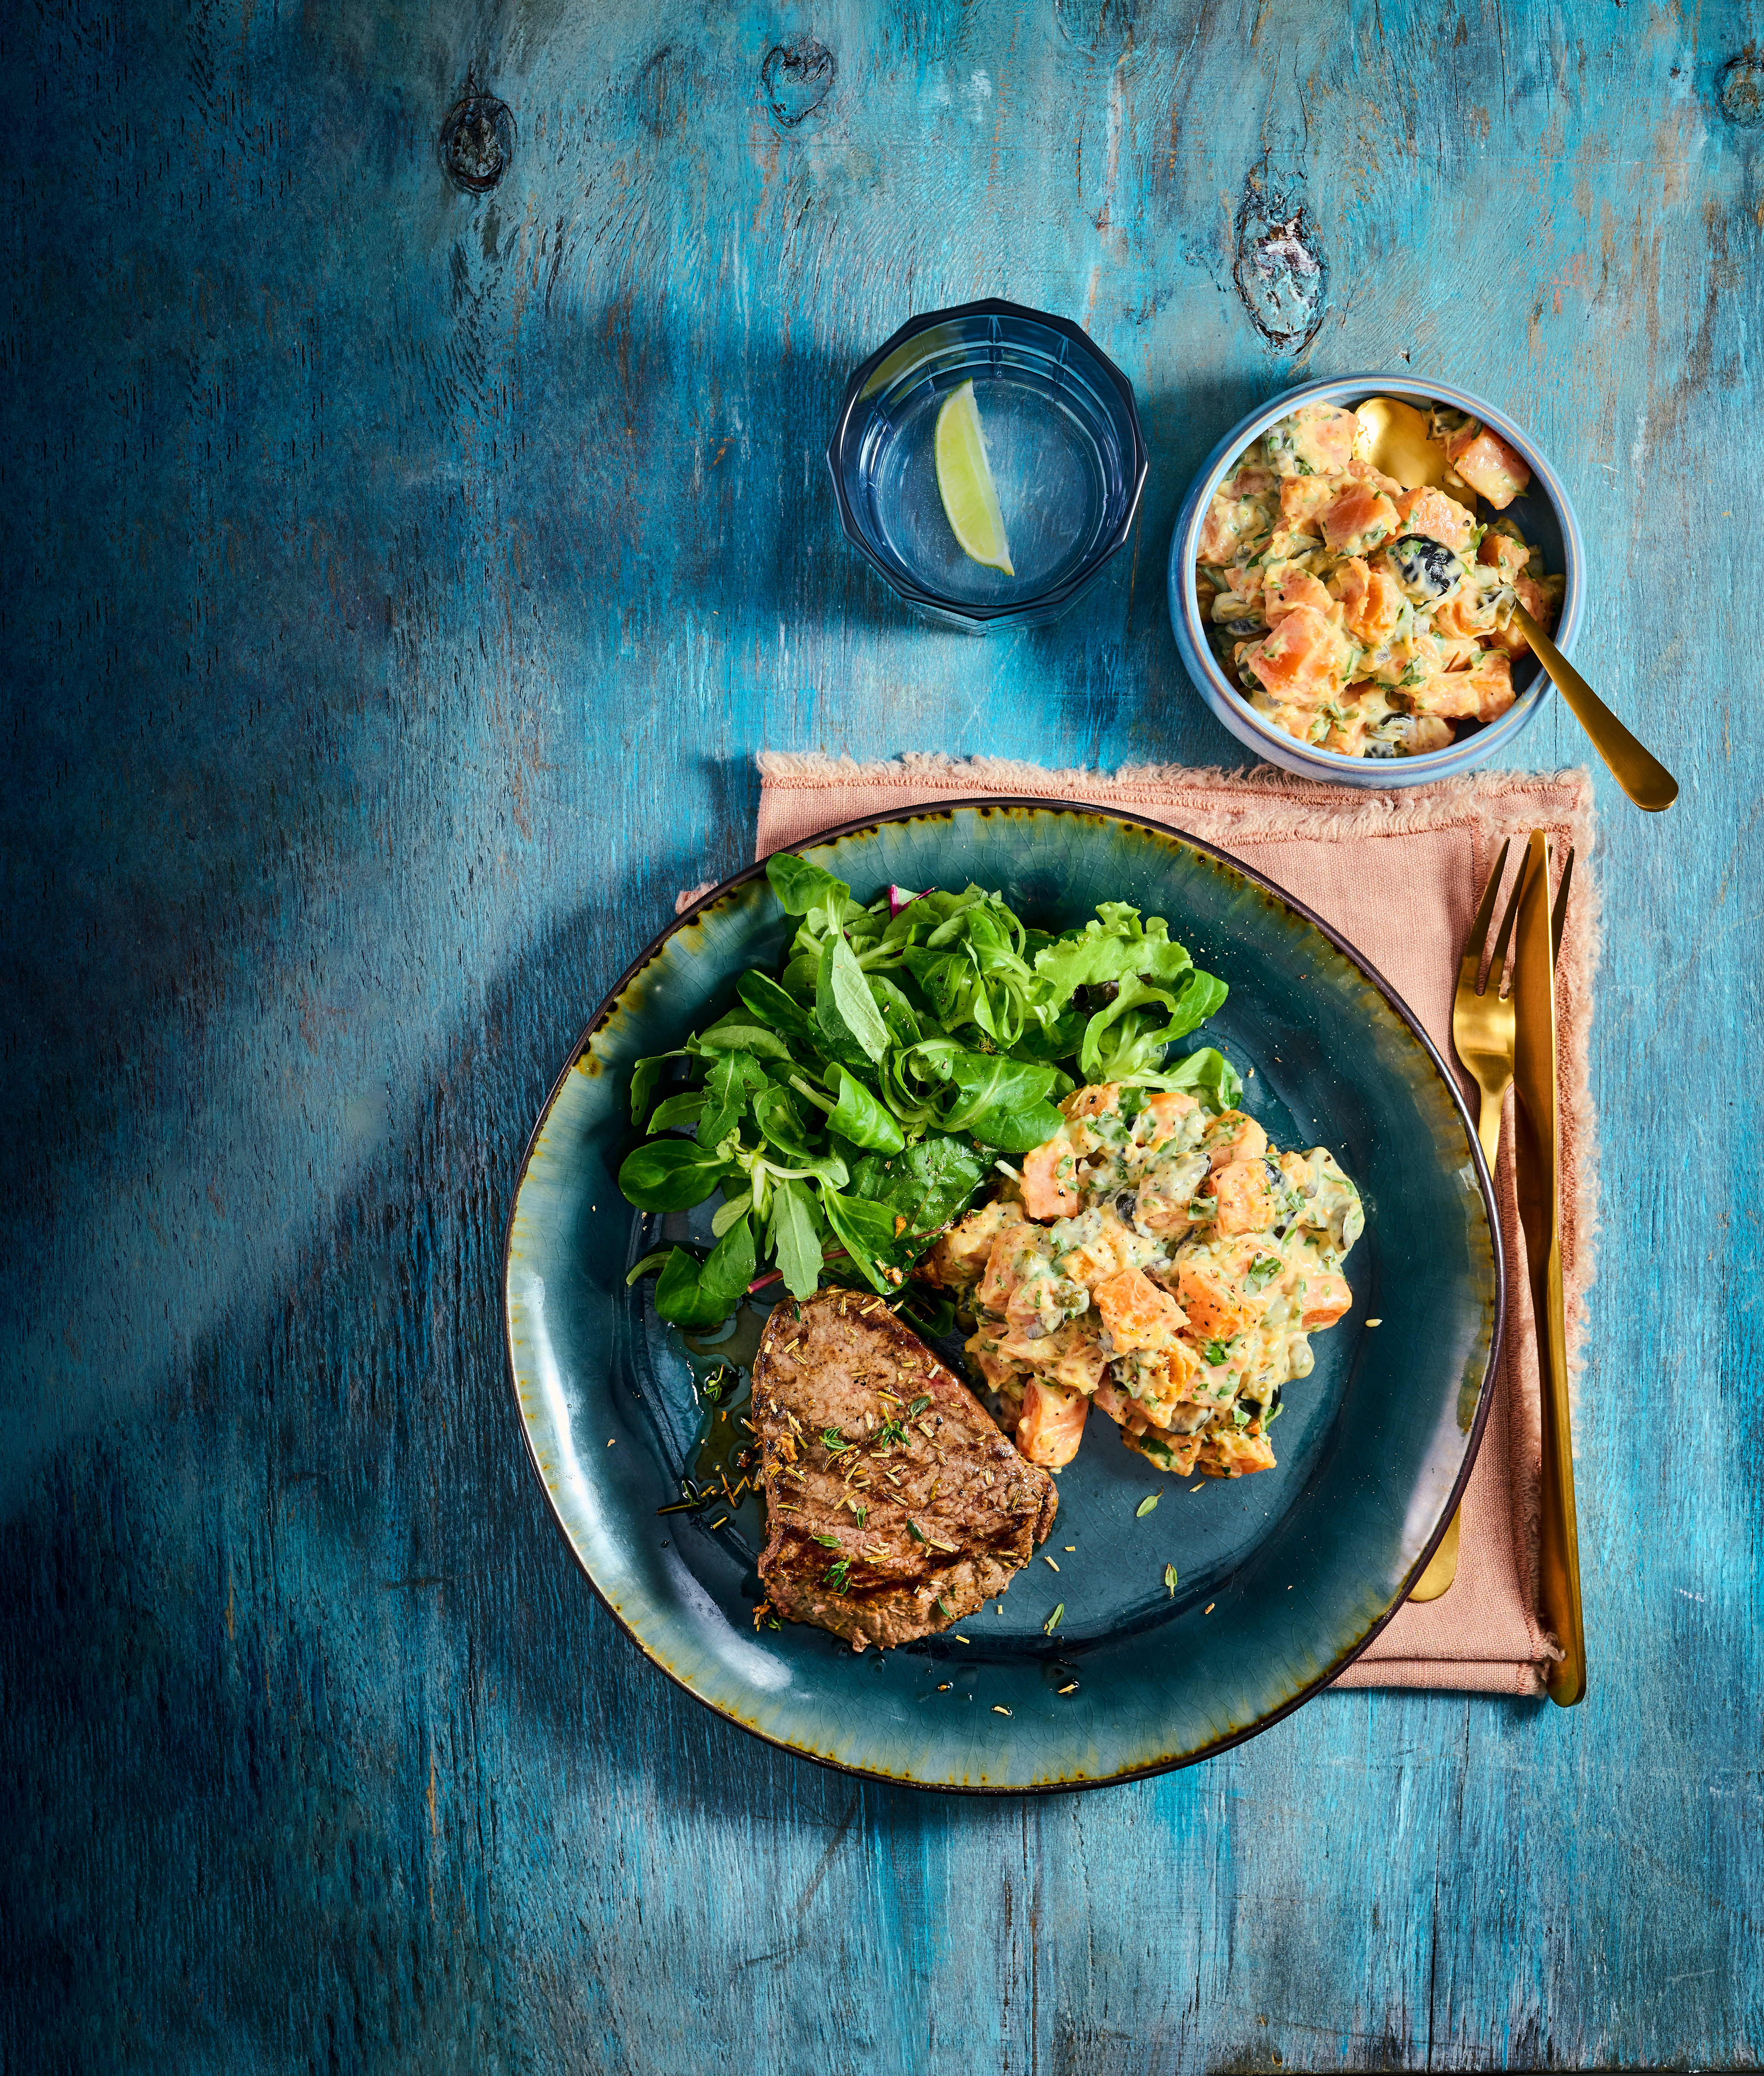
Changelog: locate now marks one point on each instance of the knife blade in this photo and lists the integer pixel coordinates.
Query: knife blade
(1537, 1146)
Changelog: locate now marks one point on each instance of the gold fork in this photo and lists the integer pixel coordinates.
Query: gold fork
(1484, 1025)
(1485, 1030)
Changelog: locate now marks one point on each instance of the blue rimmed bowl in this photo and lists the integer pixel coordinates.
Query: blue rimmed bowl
(1545, 514)
(1282, 1578)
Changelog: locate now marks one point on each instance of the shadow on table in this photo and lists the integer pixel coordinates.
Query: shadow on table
(286, 1638)
(286, 1653)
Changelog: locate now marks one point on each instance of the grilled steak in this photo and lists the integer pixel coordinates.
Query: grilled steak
(895, 1505)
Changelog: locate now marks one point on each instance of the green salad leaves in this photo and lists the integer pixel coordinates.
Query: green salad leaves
(849, 1111)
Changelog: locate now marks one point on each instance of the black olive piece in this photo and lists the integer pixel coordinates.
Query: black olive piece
(1426, 568)
(1245, 626)
(1127, 1203)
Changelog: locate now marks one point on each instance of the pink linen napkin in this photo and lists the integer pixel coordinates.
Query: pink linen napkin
(1341, 851)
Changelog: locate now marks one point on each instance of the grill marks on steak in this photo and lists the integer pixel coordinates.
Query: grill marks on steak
(832, 1383)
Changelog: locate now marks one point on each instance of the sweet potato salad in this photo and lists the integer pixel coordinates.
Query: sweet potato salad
(1360, 617)
(1158, 1259)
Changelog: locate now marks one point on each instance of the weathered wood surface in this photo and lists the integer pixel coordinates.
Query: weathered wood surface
(397, 584)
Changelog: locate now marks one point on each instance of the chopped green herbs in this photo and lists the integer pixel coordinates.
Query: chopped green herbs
(918, 1406)
(1146, 1506)
(1052, 1622)
(835, 1442)
(831, 1541)
(837, 1575)
(916, 1532)
(891, 1434)
(1263, 1269)
(1170, 1581)
(1216, 1352)
(944, 1609)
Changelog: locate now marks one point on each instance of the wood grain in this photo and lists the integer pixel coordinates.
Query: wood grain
(398, 584)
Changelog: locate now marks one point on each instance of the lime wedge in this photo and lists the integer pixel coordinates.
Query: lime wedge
(965, 485)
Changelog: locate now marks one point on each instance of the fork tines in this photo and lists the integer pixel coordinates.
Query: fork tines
(1477, 942)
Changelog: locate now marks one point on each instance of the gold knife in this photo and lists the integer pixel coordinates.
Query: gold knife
(1538, 1147)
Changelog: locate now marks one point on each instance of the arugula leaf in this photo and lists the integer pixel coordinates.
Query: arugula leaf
(690, 1294)
(724, 1280)
(861, 1118)
(866, 1231)
(844, 1005)
(734, 1078)
(644, 1076)
(930, 1183)
(794, 1239)
(897, 1010)
(778, 1118)
(669, 1175)
(674, 1111)
(769, 1004)
(736, 1032)
(928, 1310)
(702, 1295)
(947, 979)
(1001, 1102)
(676, 1290)
(800, 886)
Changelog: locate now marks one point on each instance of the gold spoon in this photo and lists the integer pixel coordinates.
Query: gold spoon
(1395, 441)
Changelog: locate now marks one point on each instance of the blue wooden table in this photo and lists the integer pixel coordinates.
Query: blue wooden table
(399, 582)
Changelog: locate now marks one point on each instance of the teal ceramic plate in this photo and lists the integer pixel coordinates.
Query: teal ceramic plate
(1282, 1578)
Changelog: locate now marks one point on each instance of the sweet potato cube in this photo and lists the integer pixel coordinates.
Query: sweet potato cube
(1488, 465)
(1229, 1453)
(1326, 1297)
(1216, 1310)
(1440, 517)
(1136, 1314)
(1302, 497)
(1484, 694)
(1297, 587)
(1051, 1423)
(1165, 1112)
(1303, 661)
(1246, 1200)
(1004, 1266)
(1233, 1136)
(1356, 519)
(1050, 1185)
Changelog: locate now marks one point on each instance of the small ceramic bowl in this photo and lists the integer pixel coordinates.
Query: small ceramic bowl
(1545, 515)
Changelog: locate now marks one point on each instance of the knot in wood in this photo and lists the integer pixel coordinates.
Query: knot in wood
(1279, 272)
(477, 143)
(796, 79)
(1740, 90)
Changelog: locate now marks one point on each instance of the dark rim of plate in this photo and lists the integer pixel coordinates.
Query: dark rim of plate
(930, 810)
(1139, 465)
